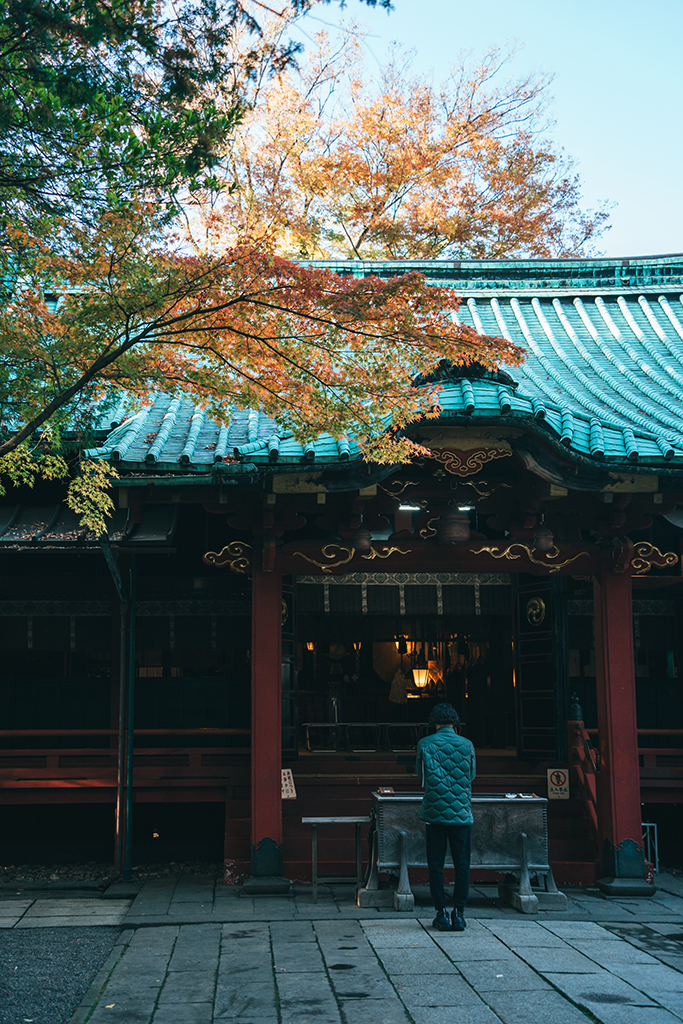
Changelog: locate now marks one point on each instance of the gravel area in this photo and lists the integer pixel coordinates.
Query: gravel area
(45, 972)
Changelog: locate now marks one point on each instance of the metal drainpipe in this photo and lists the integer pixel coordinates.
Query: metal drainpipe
(124, 611)
(131, 722)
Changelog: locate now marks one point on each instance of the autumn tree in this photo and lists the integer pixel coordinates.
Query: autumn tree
(333, 161)
(107, 294)
(129, 311)
(102, 98)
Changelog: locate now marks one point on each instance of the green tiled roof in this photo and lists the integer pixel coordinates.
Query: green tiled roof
(603, 376)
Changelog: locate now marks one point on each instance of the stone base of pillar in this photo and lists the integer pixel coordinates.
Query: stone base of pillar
(625, 887)
(261, 885)
(404, 901)
(375, 897)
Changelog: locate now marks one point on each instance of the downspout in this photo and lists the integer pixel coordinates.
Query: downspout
(124, 643)
(130, 724)
(124, 613)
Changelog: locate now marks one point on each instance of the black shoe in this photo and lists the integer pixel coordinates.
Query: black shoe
(458, 922)
(442, 921)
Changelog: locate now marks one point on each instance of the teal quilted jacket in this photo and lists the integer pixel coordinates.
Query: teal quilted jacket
(446, 766)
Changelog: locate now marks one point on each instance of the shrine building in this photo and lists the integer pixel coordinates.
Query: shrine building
(261, 605)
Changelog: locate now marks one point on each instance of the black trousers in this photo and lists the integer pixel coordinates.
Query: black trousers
(438, 837)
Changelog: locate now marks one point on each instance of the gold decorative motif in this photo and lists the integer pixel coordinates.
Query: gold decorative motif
(338, 555)
(328, 552)
(236, 555)
(376, 553)
(645, 555)
(401, 484)
(514, 551)
(480, 485)
(535, 610)
(429, 531)
(465, 463)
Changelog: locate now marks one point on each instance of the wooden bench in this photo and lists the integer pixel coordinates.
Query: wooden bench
(344, 820)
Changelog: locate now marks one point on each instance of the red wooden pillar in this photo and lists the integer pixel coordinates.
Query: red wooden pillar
(623, 863)
(266, 733)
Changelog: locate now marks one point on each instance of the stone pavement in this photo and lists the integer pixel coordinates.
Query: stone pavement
(195, 952)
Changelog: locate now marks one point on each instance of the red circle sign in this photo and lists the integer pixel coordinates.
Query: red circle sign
(558, 778)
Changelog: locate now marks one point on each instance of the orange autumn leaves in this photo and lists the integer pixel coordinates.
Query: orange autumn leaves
(340, 159)
(318, 351)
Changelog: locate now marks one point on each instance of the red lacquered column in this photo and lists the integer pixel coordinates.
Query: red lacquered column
(266, 733)
(622, 860)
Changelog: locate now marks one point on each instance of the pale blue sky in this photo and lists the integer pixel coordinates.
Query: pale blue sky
(618, 90)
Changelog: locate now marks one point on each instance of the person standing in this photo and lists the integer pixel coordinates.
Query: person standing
(446, 765)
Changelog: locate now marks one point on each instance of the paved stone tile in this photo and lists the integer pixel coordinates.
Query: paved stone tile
(636, 1015)
(523, 934)
(184, 1013)
(396, 933)
(247, 934)
(461, 947)
(566, 961)
(415, 961)
(607, 953)
(312, 1003)
(534, 1008)
(340, 929)
(292, 931)
(474, 927)
(121, 1015)
(503, 976)
(196, 948)
(580, 930)
(154, 940)
(671, 1001)
(441, 990)
(155, 897)
(595, 990)
(650, 979)
(297, 957)
(365, 982)
(666, 928)
(80, 921)
(673, 961)
(126, 991)
(243, 964)
(188, 987)
(448, 1015)
(240, 999)
(14, 906)
(373, 1011)
(260, 1019)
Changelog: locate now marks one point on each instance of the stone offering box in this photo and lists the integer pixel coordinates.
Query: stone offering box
(510, 834)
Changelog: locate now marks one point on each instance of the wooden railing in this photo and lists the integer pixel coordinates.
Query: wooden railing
(204, 731)
(584, 759)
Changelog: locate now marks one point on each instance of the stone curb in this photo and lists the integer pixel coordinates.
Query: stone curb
(92, 996)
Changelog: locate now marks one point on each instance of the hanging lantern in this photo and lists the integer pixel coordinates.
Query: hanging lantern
(543, 538)
(401, 645)
(453, 526)
(362, 539)
(421, 671)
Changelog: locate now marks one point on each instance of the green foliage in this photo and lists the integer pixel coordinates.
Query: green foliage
(105, 99)
(24, 465)
(88, 495)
